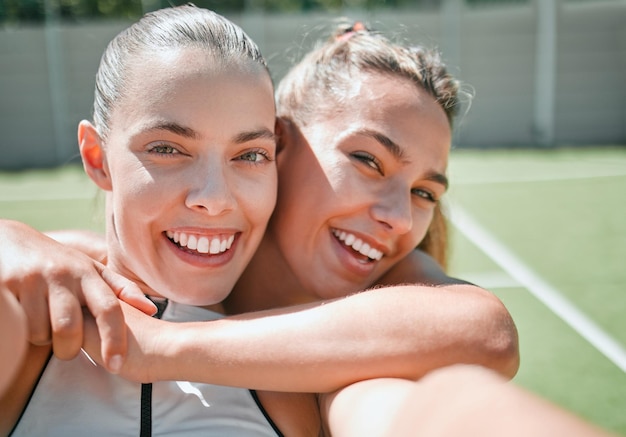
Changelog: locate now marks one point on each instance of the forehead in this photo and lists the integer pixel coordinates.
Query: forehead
(156, 74)
(396, 108)
(191, 84)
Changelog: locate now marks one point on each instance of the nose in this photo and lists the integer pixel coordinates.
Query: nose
(210, 191)
(392, 208)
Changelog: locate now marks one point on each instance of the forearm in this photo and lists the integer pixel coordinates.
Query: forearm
(401, 332)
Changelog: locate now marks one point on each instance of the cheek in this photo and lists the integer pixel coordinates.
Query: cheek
(257, 198)
(138, 195)
(140, 199)
(300, 189)
(421, 221)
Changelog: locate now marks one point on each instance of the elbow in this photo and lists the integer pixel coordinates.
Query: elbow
(506, 355)
(494, 340)
(503, 341)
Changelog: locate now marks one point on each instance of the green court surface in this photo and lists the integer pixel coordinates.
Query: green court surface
(561, 216)
(545, 230)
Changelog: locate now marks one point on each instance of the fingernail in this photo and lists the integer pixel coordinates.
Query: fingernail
(115, 364)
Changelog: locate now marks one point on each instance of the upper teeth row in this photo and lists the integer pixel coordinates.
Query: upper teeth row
(202, 244)
(358, 245)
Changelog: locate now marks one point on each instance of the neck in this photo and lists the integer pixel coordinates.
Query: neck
(266, 283)
(145, 289)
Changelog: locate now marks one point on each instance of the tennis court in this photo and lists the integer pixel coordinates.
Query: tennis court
(545, 230)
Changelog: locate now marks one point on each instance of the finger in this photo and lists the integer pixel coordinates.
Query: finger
(105, 308)
(66, 320)
(35, 306)
(128, 291)
(91, 337)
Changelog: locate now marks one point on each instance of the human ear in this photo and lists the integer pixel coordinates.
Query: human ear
(93, 155)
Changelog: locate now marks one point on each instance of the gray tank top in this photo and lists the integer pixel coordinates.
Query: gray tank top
(79, 398)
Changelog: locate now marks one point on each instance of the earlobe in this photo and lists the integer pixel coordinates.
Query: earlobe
(93, 156)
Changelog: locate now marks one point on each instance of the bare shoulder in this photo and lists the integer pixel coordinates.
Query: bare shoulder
(417, 268)
(15, 398)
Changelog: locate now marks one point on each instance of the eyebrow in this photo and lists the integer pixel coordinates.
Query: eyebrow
(439, 178)
(398, 154)
(187, 132)
(261, 133)
(387, 142)
(175, 128)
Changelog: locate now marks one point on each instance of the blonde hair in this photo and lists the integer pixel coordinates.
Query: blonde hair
(320, 82)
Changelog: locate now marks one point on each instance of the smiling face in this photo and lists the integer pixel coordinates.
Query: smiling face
(189, 166)
(358, 185)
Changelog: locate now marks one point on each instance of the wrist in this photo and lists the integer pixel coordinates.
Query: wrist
(177, 351)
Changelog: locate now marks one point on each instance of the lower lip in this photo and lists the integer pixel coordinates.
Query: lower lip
(203, 260)
(349, 260)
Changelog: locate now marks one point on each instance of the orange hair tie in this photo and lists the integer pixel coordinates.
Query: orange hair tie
(351, 31)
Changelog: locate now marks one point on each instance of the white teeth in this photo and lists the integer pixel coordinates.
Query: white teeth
(203, 245)
(215, 246)
(358, 245)
(375, 254)
(192, 243)
(210, 245)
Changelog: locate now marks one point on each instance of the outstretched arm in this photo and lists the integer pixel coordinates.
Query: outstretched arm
(457, 400)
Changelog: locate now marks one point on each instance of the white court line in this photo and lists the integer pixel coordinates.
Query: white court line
(551, 174)
(538, 178)
(543, 291)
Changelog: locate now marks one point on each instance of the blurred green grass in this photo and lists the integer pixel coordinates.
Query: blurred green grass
(51, 199)
(563, 212)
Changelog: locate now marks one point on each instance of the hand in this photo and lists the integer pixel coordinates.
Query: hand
(143, 335)
(52, 282)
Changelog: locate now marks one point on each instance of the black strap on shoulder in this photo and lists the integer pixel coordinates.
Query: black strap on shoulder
(255, 396)
(30, 396)
(145, 429)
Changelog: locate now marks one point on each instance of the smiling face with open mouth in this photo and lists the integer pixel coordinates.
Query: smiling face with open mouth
(190, 174)
(358, 187)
